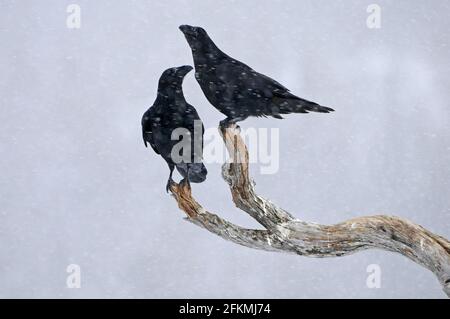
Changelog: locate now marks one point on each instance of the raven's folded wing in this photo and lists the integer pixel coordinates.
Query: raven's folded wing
(147, 133)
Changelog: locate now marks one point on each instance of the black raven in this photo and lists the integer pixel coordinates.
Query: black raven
(170, 111)
(237, 90)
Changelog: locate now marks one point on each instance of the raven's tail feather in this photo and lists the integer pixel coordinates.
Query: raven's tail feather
(197, 171)
(298, 105)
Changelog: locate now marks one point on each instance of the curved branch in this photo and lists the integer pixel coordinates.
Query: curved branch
(284, 233)
(196, 214)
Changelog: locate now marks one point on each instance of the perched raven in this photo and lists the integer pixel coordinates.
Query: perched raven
(237, 90)
(169, 112)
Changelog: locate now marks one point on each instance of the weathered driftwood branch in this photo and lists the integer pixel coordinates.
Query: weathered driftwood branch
(284, 233)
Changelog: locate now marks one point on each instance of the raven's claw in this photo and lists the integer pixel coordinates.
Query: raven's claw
(184, 182)
(170, 182)
(224, 123)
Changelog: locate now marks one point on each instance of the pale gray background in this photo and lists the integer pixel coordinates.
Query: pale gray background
(78, 186)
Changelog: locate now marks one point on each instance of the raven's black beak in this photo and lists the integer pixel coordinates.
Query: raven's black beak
(188, 30)
(183, 70)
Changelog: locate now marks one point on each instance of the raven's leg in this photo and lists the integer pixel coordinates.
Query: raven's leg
(224, 123)
(186, 179)
(231, 120)
(170, 180)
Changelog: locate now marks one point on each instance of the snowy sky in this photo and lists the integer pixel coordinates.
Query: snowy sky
(79, 187)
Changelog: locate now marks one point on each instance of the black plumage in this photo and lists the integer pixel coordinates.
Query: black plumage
(237, 90)
(169, 112)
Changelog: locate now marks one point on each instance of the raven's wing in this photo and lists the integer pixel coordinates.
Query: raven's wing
(236, 80)
(147, 133)
(190, 117)
(240, 74)
(253, 84)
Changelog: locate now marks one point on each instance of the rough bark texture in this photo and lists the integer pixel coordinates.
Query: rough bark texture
(284, 233)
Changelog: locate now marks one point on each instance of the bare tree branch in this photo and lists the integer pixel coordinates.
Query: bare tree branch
(284, 233)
